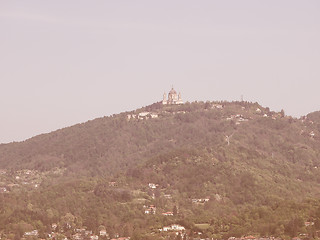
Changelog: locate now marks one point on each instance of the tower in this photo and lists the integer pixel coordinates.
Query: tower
(164, 101)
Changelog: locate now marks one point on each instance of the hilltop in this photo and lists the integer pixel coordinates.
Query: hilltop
(217, 167)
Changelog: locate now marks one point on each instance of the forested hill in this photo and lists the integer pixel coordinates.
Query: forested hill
(251, 163)
(112, 144)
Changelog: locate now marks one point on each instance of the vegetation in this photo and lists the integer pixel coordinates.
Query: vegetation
(222, 168)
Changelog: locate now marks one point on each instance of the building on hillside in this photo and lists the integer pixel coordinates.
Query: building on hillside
(167, 214)
(151, 210)
(32, 233)
(103, 232)
(173, 98)
(152, 185)
(173, 227)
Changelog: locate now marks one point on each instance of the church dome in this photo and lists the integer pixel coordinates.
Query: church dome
(172, 91)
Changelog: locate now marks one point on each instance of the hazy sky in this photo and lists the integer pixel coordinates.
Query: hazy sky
(65, 62)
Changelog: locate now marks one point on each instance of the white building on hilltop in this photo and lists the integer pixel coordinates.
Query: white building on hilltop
(173, 98)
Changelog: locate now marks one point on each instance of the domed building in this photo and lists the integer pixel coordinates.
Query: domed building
(173, 98)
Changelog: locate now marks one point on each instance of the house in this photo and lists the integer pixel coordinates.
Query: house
(218, 106)
(241, 119)
(194, 200)
(77, 236)
(218, 197)
(54, 226)
(167, 214)
(311, 134)
(296, 238)
(143, 114)
(103, 232)
(307, 224)
(94, 237)
(177, 227)
(150, 210)
(32, 233)
(152, 186)
(166, 229)
(112, 184)
(131, 116)
(168, 196)
(200, 200)
(250, 238)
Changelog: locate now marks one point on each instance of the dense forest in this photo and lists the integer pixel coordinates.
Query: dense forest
(219, 169)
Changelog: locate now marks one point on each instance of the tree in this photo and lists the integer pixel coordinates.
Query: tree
(67, 221)
(294, 226)
(175, 210)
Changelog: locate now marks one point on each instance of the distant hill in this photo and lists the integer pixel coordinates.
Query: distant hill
(239, 155)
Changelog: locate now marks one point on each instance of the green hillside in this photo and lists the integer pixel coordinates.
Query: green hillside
(221, 168)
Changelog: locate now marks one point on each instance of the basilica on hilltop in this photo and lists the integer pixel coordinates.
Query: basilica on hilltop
(173, 98)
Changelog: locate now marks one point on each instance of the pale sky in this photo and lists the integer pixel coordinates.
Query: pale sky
(66, 62)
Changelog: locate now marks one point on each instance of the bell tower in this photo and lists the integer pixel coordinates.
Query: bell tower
(164, 100)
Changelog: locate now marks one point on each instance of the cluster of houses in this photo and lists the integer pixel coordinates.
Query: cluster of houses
(238, 118)
(149, 115)
(80, 234)
(25, 177)
(253, 238)
(142, 116)
(121, 238)
(300, 237)
(149, 210)
(172, 227)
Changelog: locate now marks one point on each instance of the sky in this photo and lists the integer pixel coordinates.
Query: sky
(67, 62)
